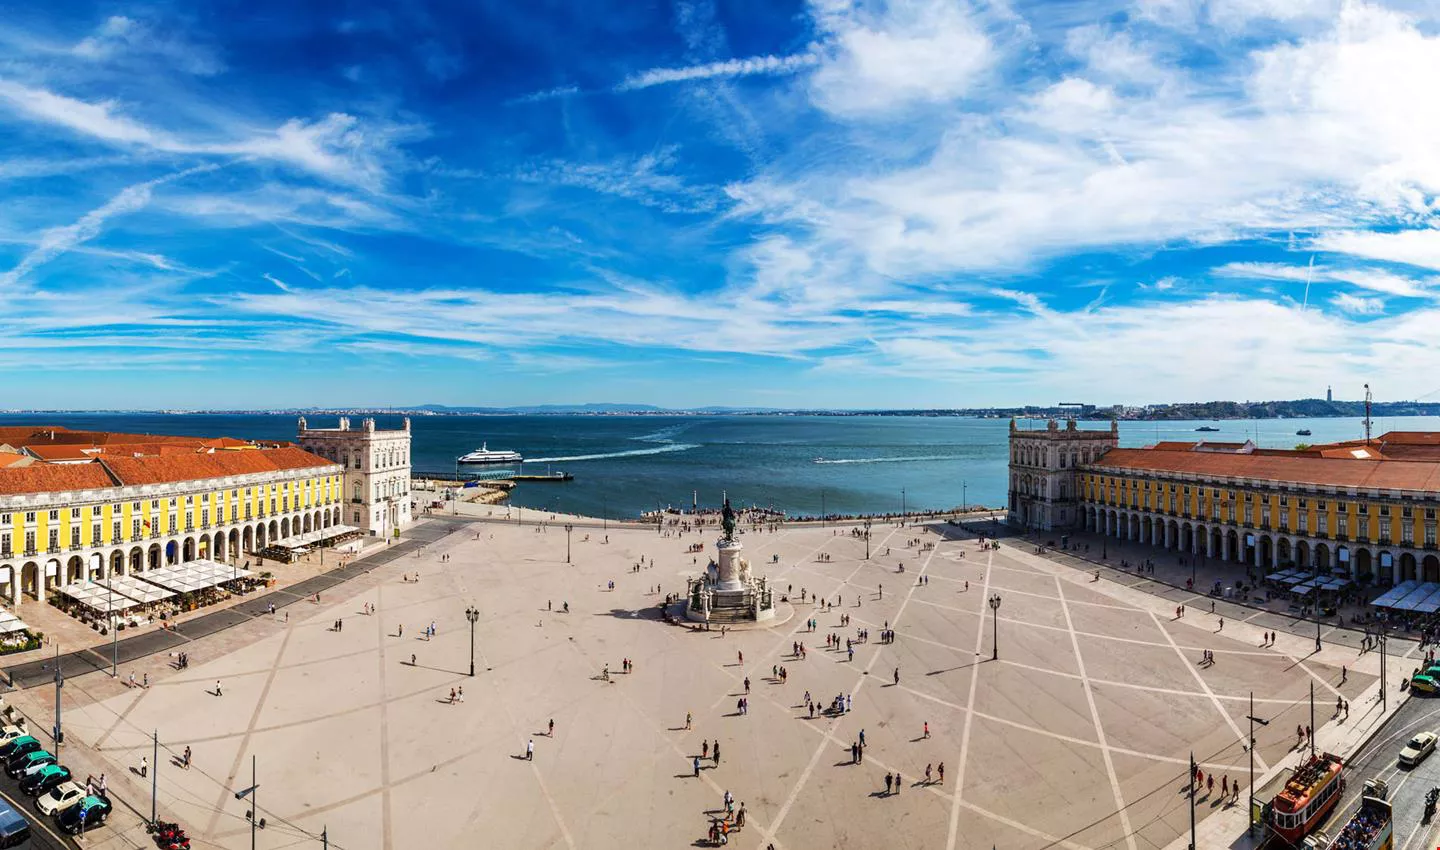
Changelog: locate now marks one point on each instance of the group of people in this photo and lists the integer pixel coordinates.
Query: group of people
(1229, 791)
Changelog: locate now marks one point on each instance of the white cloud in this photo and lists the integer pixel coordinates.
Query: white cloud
(880, 57)
(1313, 134)
(1203, 345)
(557, 93)
(1376, 280)
(58, 240)
(647, 179)
(1358, 305)
(121, 38)
(752, 66)
(336, 147)
(1412, 247)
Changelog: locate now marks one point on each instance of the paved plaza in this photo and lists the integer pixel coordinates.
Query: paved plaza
(1078, 736)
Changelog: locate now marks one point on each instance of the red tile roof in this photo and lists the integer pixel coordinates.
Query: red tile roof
(181, 466)
(1292, 467)
(53, 477)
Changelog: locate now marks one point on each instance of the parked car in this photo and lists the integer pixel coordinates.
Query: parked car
(1423, 684)
(14, 745)
(46, 779)
(86, 814)
(1420, 746)
(18, 754)
(29, 764)
(59, 798)
(14, 828)
(10, 733)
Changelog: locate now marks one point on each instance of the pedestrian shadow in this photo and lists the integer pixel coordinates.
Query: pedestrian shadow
(515, 757)
(881, 794)
(846, 763)
(436, 669)
(953, 669)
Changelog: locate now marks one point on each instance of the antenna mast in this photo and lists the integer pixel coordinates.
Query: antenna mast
(1367, 414)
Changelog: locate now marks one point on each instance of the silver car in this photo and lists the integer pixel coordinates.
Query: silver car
(1420, 746)
(59, 798)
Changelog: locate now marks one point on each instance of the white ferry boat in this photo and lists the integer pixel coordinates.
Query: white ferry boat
(485, 455)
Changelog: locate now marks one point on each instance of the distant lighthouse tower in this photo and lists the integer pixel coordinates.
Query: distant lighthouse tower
(1329, 394)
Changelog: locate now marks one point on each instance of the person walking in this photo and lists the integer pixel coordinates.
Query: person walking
(715, 752)
(187, 758)
(927, 729)
(888, 782)
(897, 675)
(927, 774)
(940, 769)
(217, 687)
(696, 764)
(144, 767)
(552, 726)
(530, 750)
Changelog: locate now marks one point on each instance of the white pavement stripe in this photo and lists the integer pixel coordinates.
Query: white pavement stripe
(1095, 715)
(969, 717)
(820, 750)
(1205, 686)
(1096, 635)
(1015, 824)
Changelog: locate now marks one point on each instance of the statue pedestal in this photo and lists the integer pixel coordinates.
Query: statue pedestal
(726, 576)
(730, 595)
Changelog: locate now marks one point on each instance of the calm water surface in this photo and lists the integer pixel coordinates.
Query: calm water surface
(627, 464)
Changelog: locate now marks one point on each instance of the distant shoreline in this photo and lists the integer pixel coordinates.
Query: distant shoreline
(1207, 412)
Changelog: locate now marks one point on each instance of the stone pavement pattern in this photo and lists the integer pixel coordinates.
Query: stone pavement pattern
(1078, 736)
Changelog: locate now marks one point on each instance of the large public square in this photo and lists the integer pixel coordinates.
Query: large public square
(1078, 736)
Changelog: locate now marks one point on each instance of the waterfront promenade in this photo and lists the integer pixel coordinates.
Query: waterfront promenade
(1077, 736)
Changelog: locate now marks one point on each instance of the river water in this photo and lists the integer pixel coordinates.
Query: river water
(627, 464)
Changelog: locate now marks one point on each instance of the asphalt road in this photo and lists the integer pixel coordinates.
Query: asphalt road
(1407, 786)
(43, 832)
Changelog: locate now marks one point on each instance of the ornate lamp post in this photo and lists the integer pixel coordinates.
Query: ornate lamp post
(867, 539)
(568, 528)
(994, 602)
(473, 616)
(1253, 720)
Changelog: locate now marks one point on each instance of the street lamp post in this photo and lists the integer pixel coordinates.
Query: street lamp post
(1384, 699)
(964, 499)
(473, 616)
(902, 504)
(1253, 720)
(568, 528)
(1315, 582)
(995, 626)
(822, 508)
(867, 539)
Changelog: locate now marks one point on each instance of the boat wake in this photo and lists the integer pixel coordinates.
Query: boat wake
(658, 450)
(906, 459)
(664, 435)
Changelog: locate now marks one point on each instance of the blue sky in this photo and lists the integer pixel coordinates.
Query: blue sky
(850, 204)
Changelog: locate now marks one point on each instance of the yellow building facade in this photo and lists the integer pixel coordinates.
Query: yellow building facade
(121, 512)
(1363, 510)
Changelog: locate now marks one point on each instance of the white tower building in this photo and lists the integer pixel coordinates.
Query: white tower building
(377, 472)
(1044, 487)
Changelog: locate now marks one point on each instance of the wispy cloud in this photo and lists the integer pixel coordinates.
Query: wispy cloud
(121, 37)
(748, 67)
(547, 94)
(58, 240)
(335, 147)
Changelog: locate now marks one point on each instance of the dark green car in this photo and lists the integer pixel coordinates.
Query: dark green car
(84, 815)
(10, 747)
(30, 763)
